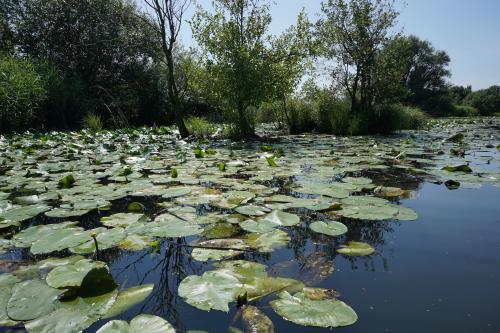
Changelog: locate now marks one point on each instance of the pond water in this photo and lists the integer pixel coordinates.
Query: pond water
(435, 267)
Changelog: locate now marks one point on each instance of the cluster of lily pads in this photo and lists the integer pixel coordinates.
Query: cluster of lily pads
(227, 198)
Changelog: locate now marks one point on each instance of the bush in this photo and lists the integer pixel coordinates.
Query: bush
(93, 122)
(21, 93)
(200, 127)
(465, 111)
(393, 117)
(486, 101)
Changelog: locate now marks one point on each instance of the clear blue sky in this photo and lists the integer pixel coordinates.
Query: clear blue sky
(469, 31)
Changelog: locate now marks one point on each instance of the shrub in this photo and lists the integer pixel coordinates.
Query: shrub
(393, 117)
(465, 111)
(93, 122)
(200, 127)
(300, 116)
(21, 93)
(487, 101)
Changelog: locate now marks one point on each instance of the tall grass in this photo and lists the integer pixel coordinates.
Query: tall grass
(93, 122)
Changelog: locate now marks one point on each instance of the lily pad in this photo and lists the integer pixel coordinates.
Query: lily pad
(128, 298)
(356, 249)
(280, 218)
(321, 313)
(72, 275)
(329, 228)
(213, 290)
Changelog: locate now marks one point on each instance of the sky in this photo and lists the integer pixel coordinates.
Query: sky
(469, 31)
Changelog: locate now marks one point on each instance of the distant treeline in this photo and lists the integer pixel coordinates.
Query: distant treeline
(98, 64)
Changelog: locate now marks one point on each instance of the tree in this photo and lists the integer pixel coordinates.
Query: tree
(425, 72)
(6, 37)
(168, 15)
(21, 92)
(459, 93)
(351, 34)
(291, 54)
(487, 101)
(98, 46)
(235, 44)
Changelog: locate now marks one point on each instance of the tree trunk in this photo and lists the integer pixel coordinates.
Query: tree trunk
(174, 96)
(246, 130)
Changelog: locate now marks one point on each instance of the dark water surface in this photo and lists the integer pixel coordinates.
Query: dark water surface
(440, 273)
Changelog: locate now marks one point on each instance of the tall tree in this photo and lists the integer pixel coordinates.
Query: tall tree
(235, 43)
(352, 33)
(291, 54)
(168, 15)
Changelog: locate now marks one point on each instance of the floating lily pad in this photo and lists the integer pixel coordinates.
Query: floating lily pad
(268, 241)
(280, 218)
(128, 298)
(321, 313)
(31, 299)
(329, 228)
(123, 220)
(213, 290)
(153, 324)
(72, 275)
(356, 249)
(175, 192)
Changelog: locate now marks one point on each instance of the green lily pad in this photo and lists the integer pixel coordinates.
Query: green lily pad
(123, 220)
(60, 239)
(213, 290)
(153, 324)
(260, 227)
(356, 249)
(175, 192)
(206, 253)
(31, 299)
(251, 210)
(280, 218)
(106, 238)
(72, 275)
(268, 241)
(329, 228)
(458, 168)
(321, 313)
(128, 298)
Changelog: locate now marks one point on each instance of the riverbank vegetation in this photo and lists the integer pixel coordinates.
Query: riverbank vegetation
(115, 64)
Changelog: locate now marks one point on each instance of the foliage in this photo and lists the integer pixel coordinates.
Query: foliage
(100, 48)
(486, 101)
(200, 127)
(21, 93)
(352, 33)
(93, 122)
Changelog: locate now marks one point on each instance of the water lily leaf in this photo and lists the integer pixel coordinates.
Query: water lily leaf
(18, 214)
(356, 249)
(458, 168)
(6, 283)
(357, 180)
(452, 184)
(66, 212)
(280, 218)
(329, 228)
(256, 321)
(28, 236)
(260, 227)
(60, 239)
(128, 298)
(269, 241)
(31, 299)
(213, 290)
(244, 271)
(263, 286)
(318, 294)
(135, 242)
(175, 192)
(61, 321)
(123, 220)
(72, 275)
(136, 207)
(172, 229)
(67, 181)
(205, 254)
(321, 313)
(106, 238)
(406, 214)
(252, 210)
(220, 230)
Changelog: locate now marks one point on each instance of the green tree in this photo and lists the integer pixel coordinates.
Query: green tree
(234, 40)
(101, 45)
(425, 72)
(352, 33)
(291, 58)
(168, 15)
(21, 92)
(487, 101)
